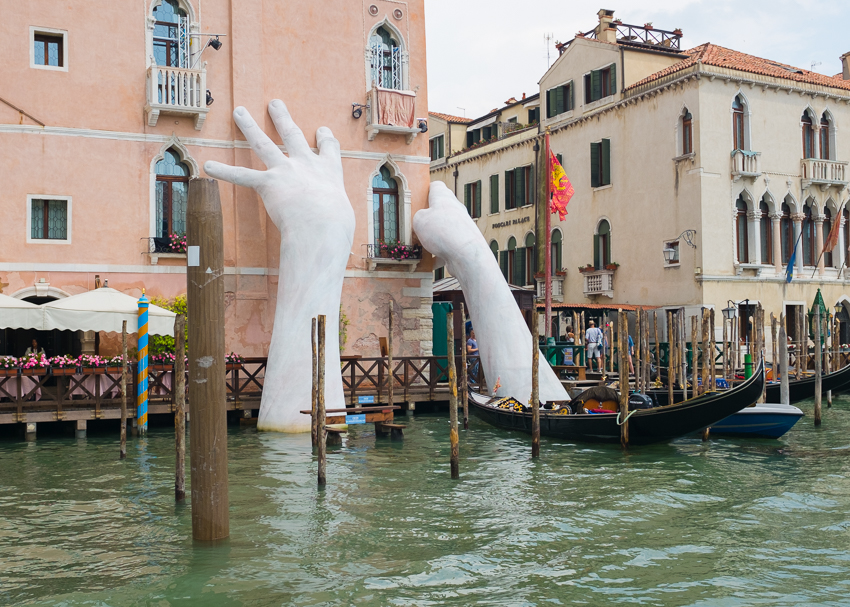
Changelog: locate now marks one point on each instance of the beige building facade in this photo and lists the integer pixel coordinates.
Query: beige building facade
(695, 174)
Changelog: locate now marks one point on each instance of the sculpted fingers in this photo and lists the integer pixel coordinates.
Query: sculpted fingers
(248, 178)
(328, 145)
(263, 147)
(293, 138)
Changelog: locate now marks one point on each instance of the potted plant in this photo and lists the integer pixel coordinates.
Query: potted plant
(678, 31)
(63, 365)
(588, 268)
(178, 243)
(162, 362)
(233, 362)
(34, 364)
(9, 366)
(561, 272)
(115, 365)
(647, 25)
(92, 364)
(612, 266)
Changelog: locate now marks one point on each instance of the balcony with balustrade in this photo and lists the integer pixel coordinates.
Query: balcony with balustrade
(176, 91)
(823, 173)
(746, 164)
(557, 287)
(599, 282)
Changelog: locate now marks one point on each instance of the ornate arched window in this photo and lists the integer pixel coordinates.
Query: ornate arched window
(556, 251)
(170, 35)
(824, 137)
(765, 233)
(808, 240)
(385, 207)
(808, 136)
(602, 245)
(385, 60)
(827, 226)
(172, 190)
(742, 244)
(738, 124)
(786, 231)
(529, 257)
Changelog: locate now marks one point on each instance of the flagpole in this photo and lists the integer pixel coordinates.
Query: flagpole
(548, 266)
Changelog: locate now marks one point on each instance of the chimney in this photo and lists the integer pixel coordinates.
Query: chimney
(845, 66)
(606, 31)
(523, 95)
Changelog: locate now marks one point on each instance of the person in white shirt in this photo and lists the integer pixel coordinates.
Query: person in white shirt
(593, 337)
(34, 349)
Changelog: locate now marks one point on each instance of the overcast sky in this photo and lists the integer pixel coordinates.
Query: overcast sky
(481, 53)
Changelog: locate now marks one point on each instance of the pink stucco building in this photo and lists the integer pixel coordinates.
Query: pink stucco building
(100, 134)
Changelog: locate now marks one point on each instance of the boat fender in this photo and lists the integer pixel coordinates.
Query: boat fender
(640, 401)
(619, 423)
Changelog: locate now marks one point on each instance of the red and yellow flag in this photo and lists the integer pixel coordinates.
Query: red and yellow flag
(559, 186)
(832, 238)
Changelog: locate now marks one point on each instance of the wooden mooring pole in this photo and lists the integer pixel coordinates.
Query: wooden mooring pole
(180, 407)
(784, 393)
(314, 432)
(390, 378)
(535, 386)
(321, 431)
(464, 379)
(671, 358)
(122, 449)
(207, 373)
(622, 346)
(454, 457)
(818, 361)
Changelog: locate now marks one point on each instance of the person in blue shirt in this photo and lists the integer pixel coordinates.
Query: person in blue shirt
(472, 350)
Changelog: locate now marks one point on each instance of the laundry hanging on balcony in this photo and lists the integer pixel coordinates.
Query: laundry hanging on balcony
(396, 108)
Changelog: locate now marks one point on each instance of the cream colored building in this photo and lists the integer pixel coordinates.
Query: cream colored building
(721, 158)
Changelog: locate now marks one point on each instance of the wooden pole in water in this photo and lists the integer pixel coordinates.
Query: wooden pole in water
(637, 359)
(671, 358)
(464, 381)
(784, 394)
(726, 350)
(694, 358)
(774, 322)
(535, 388)
(390, 380)
(122, 449)
(623, 344)
(683, 352)
(818, 378)
(314, 425)
(207, 374)
(712, 352)
(706, 355)
(657, 350)
(799, 346)
(321, 431)
(453, 436)
(180, 407)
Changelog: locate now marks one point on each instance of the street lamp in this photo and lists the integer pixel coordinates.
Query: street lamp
(838, 308)
(729, 312)
(669, 254)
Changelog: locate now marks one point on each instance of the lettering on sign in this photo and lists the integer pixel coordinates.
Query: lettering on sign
(513, 222)
(366, 400)
(355, 419)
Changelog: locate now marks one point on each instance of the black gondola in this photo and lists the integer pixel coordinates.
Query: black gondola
(798, 390)
(645, 425)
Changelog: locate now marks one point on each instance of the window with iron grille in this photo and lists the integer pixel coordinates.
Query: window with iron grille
(172, 191)
(385, 60)
(48, 219)
(48, 49)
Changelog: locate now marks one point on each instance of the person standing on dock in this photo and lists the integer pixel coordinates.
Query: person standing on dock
(594, 337)
(472, 350)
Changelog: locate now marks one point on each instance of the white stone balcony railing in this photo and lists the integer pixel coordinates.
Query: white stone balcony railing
(599, 282)
(745, 164)
(396, 117)
(176, 91)
(824, 173)
(557, 287)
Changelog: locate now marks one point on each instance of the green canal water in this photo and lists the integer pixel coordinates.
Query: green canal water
(728, 522)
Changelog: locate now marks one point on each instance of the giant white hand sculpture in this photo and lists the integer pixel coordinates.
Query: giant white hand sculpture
(504, 341)
(305, 197)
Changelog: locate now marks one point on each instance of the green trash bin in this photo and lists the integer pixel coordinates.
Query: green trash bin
(748, 366)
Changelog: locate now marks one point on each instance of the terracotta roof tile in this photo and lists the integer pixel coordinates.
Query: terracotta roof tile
(718, 56)
(450, 118)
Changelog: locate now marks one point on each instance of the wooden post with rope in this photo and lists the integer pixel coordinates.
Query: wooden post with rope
(637, 360)
(122, 449)
(784, 392)
(622, 344)
(390, 379)
(535, 387)
(712, 353)
(464, 380)
(314, 425)
(321, 431)
(180, 407)
(657, 350)
(671, 358)
(453, 435)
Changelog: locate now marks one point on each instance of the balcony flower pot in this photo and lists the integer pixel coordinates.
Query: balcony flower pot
(612, 266)
(94, 370)
(34, 371)
(63, 371)
(586, 269)
(112, 370)
(162, 367)
(8, 372)
(233, 366)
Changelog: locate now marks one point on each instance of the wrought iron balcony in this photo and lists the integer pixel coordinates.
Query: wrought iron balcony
(158, 248)
(823, 173)
(745, 164)
(176, 91)
(393, 255)
(599, 282)
(637, 35)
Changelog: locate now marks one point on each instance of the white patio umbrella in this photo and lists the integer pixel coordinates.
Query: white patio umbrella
(19, 314)
(104, 309)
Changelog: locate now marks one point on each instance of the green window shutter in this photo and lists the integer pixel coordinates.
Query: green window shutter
(596, 256)
(494, 193)
(466, 198)
(594, 165)
(519, 267)
(477, 199)
(606, 161)
(559, 100)
(595, 85)
(508, 185)
(442, 149)
(572, 97)
(560, 158)
(503, 263)
(519, 184)
(531, 191)
(549, 103)
(468, 138)
(612, 86)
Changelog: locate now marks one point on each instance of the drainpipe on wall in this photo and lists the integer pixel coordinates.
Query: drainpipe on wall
(455, 174)
(622, 72)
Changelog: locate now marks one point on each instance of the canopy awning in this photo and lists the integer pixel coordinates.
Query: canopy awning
(19, 314)
(104, 309)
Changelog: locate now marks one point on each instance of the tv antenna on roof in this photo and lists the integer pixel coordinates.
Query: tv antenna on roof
(464, 110)
(814, 65)
(548, 39)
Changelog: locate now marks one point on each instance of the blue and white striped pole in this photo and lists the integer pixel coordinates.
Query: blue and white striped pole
(142, 373)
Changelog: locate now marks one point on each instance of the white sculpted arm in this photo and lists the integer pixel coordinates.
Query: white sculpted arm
(504, 341)
(305, 197)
